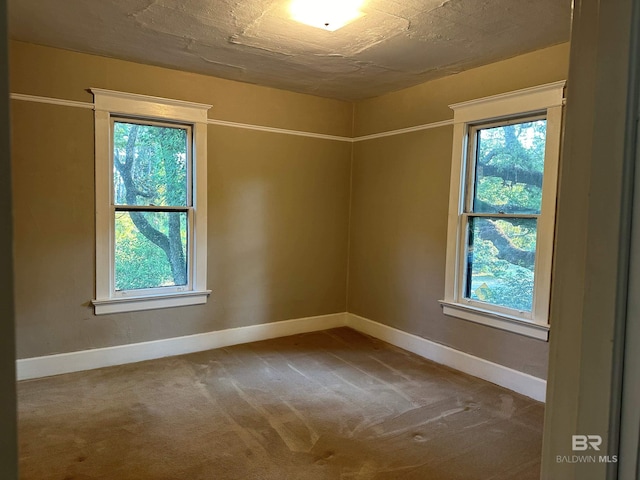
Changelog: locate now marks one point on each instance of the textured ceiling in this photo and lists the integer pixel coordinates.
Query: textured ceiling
(397, 44)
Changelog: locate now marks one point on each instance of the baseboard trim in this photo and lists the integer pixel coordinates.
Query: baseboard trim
(57, 364)
(515, 380)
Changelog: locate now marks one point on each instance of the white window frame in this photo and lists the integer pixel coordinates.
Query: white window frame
(109, 106)
(544, 100)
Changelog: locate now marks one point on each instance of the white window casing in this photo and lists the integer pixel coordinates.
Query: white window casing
(111, 104)
(546, 100)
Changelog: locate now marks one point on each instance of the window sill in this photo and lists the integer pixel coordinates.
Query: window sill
(105, 306)
(496, 320)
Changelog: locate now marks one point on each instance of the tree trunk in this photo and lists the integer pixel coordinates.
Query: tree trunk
(171, 245)
(515, 175)
(176, 254)
(506, 249)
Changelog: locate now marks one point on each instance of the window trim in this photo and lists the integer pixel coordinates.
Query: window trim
(110, 104)
(547, 100)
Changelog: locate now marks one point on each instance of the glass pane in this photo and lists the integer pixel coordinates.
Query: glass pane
(509, 168)
(150, 249)
(149, 165)
(500, 261)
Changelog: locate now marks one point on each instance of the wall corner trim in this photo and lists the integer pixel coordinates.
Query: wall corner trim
(520, 382)
(515, 380)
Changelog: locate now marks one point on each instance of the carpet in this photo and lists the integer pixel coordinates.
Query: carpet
(327, 405)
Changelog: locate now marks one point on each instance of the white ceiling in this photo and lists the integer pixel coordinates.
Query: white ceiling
(397, 44)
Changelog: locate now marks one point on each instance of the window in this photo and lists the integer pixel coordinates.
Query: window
(502, 209)
(150, 202)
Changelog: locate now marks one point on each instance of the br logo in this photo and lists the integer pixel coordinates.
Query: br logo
(580, 443)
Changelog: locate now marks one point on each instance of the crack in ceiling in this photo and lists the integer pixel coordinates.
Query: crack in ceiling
(397, 44)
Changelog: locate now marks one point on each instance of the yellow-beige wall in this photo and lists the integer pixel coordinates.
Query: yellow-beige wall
(400, 197)
(277, 211)
(298, 226)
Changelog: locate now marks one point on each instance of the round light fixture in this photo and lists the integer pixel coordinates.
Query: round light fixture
(326, 14)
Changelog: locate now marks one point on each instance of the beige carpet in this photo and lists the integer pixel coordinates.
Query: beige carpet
(326, 405)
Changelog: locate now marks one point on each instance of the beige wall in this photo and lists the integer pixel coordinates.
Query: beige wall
(399, 209)
(50, 72)
(429, 102)
(278, 205)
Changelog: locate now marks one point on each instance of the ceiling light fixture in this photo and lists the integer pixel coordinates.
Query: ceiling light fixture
(326, 14)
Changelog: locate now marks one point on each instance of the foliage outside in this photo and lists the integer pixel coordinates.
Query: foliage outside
(508, 181)
(150, 170)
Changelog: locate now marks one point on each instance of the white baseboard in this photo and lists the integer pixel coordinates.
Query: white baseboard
(106, 357)
(515, 380)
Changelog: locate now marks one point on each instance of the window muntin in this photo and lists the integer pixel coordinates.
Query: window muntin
(152, 206)
(503, 199)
